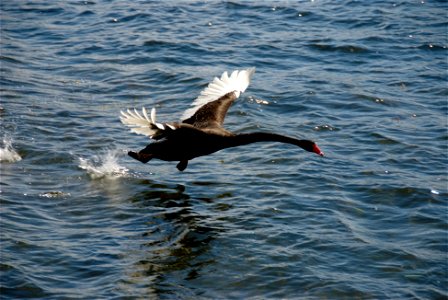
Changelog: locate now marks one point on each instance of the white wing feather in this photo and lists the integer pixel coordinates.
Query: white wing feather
(237, 82)
(142, 124)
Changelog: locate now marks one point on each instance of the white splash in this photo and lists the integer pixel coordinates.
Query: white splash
(7, 152)
(103, 166)
(435, 192)
(54, 194)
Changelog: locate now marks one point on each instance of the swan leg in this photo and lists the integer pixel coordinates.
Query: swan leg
(143, 157)
(182, 165)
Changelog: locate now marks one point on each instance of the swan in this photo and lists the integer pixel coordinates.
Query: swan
(201, 130)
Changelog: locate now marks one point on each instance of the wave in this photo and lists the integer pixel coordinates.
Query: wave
(340, 48)
(7, 152)
(104, 165)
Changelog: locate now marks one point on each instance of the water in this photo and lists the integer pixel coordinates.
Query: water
(366, 80)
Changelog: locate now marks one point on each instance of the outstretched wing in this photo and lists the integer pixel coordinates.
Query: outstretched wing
(210, 108)
(143, 124)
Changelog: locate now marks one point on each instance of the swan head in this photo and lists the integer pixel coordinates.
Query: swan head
(317, 150)
(310, 146)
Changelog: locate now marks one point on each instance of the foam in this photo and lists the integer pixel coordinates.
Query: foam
(7, 152)
(103, 166)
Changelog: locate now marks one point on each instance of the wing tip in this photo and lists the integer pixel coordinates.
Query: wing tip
(237, 81)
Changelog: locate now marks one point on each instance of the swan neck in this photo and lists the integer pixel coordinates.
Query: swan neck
(249, 138)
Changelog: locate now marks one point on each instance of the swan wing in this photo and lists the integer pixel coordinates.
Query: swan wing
(213, 102)
(146, 125)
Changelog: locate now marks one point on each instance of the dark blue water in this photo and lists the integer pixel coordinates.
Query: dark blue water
(367, 80)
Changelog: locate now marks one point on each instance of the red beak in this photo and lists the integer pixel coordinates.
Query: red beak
(317, 150)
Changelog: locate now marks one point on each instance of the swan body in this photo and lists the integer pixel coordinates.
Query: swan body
(200, 132)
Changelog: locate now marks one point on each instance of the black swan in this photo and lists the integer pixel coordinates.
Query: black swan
(200, 132)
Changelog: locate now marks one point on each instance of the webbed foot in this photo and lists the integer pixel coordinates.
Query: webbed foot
(182, 165)
(143, 157)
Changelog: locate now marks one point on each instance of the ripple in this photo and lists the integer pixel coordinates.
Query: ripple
(341, 48)
(54, 194)
(324, 128)
(10, 59)
(374, 99)
(433, 47)
(384, 140)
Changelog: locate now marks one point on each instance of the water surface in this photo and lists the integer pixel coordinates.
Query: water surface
(366, 80)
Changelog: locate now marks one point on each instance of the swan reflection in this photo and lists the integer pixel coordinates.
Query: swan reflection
(175, 242)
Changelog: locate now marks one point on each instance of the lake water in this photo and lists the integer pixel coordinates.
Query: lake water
(367, 80)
